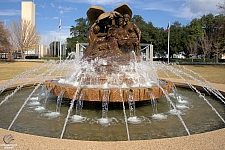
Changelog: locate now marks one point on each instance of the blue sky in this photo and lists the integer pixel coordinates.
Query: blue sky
(159, 12)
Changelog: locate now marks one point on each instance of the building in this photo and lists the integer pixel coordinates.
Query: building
(28, 11)
(43, 51)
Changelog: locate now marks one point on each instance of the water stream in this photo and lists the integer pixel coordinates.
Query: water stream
(180, 113)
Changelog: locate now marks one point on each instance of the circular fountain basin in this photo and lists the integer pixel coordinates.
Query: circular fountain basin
(147, 124)
(95, 94)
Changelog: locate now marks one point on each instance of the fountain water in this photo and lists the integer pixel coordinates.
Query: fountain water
(134, 102)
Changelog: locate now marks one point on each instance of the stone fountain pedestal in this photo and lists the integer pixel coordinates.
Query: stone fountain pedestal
(96, 94)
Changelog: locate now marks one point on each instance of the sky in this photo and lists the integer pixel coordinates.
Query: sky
(159, 12)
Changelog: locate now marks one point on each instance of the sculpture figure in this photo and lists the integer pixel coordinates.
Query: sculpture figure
(134, 33)
(112, 35)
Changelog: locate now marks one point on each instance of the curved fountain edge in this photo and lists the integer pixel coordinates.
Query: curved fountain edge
(95, 94)
(206, 141)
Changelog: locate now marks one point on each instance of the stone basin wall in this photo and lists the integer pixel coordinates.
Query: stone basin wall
(96, 94)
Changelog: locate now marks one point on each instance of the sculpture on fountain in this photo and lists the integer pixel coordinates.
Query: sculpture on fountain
(112, 35)
(114, 40)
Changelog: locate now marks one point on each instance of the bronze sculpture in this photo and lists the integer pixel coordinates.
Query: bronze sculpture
(112, 35)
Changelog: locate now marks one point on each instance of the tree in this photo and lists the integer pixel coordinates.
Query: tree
(160, 40)
(218, 36)
(24, 35)
(206, 44)
(176, 37)
(142, 25)
(192, 48)
(221, 7)
(4, 38)
(79, 33)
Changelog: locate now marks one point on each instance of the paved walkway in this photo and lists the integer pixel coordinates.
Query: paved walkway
(206, 141)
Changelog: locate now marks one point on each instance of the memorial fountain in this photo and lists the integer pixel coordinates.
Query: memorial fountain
(92, 91)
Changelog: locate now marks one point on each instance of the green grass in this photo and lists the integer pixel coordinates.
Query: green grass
(9, 70)
(212, 73)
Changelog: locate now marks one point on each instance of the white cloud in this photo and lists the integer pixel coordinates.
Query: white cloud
(43, 5)
(100, 2)
(53, 5)
(65, 9)
(10, 12)
(47, 18)
(54, 18)
(196, 8)
(157, 5)
(61, 12)
(186, 9)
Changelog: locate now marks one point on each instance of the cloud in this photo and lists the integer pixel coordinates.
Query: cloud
(157, 5)
(100, 2)
(43, 5)
(10, 12)
(52, 5)
(186, 9)
(48, 18)
(196, 8)
(65, 9)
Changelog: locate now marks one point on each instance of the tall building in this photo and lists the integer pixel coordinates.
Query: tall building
(28, 11)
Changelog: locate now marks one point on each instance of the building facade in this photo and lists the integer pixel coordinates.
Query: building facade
(28, 11)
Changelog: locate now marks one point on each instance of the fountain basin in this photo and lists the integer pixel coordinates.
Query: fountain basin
(96, 94)
(201, 138)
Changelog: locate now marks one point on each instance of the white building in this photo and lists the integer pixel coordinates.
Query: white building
(43, 51)
(28, 11)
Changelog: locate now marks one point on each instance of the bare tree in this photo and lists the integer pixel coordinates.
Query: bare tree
(24, 35)
(4, 38)
(206, 44)
(221, 7)
(193, 48)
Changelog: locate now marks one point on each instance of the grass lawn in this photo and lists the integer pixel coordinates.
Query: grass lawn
(9, 70)
(212, 73)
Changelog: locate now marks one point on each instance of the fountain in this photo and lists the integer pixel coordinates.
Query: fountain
(109, 89)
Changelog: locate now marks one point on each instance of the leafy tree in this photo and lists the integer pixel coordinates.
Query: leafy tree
(195, 29)
(71, 44)
(79, 33)
(207, 23)
(202, 36)
(160, 40)
(175, 37)
(139, 21)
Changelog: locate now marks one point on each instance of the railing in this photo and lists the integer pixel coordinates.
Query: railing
(146, 50)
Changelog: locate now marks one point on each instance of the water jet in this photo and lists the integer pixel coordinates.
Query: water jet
(110, 89)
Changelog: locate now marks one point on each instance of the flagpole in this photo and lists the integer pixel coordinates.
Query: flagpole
(168, 43)
(60, 42)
